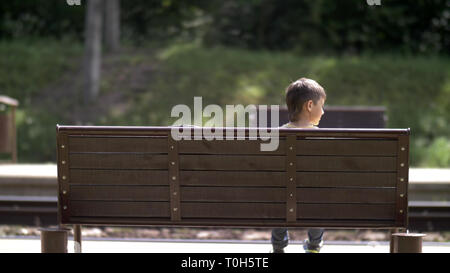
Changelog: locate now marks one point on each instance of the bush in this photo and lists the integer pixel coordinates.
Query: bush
(344, 26)
(438, 154)
(27, 68)
(317, 26)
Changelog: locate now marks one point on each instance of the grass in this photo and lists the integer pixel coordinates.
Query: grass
(415, 90)
(26, 68)
(147, 82)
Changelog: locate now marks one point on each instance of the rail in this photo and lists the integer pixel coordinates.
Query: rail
(42, 211)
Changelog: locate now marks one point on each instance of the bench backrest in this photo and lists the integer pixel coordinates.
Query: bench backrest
(317, 177)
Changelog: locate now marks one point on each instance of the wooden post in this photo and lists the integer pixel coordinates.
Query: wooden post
(54, 240)
(77, 238)
(14, 134)
(407, 242)
(9, 135)
(392, 243)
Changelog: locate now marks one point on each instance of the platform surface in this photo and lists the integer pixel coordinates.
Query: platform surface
(33, 245)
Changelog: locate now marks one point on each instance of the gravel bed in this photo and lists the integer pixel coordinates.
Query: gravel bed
(249, 234)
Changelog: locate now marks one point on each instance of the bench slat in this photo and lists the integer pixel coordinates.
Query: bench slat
(232, 162)
(277, 211)
(346, 195)
(339, 163)
(306, 195)
(227, 147)
(345, 179)
(233, 210)
(341, 147)
(119, 209)
(118, 177)
(236, 178)
(120, 193)
(117, 144)
(347, 147)
(226, 195)
(118, 161)
(231, 178)
(159, 145)
(277, 163)
(231, 194)
(276, 179)
(229, 222)
(345, 211)
(164, 131)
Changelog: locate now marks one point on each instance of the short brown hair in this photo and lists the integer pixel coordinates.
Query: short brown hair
(301, 91)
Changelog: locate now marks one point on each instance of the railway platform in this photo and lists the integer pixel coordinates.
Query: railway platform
(109, 245)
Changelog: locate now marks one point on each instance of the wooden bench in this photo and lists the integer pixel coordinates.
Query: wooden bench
(331, 178)
(8, 128)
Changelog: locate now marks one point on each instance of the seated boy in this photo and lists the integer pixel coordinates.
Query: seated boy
(305, 99)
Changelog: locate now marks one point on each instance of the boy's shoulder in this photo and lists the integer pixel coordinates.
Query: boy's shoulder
(289, 125)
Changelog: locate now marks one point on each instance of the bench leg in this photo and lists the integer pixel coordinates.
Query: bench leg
(391, 239)
(54, 240)
(407, 242)
(77, 238)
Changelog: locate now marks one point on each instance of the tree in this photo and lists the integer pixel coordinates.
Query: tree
(93, 49)
(112, 25)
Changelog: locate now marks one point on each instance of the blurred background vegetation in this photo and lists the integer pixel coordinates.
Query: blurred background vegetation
(229, 52)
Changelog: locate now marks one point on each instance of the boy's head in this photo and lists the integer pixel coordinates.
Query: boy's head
(307, 96)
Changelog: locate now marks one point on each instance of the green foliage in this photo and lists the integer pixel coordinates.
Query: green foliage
(144, 20)
(318, 26)
(438, 153)
(332, 26)
(32, 18)
(36, 135)
(435, 153)
(27, 67)
(415, 90)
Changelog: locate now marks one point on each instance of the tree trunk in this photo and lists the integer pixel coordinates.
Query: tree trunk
(93, 49)
(112, 25)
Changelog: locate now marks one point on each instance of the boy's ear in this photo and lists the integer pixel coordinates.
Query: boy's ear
(309, 105)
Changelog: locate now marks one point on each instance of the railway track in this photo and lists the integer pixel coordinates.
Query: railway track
(429, 216)
(28, 210)
(42, 211)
